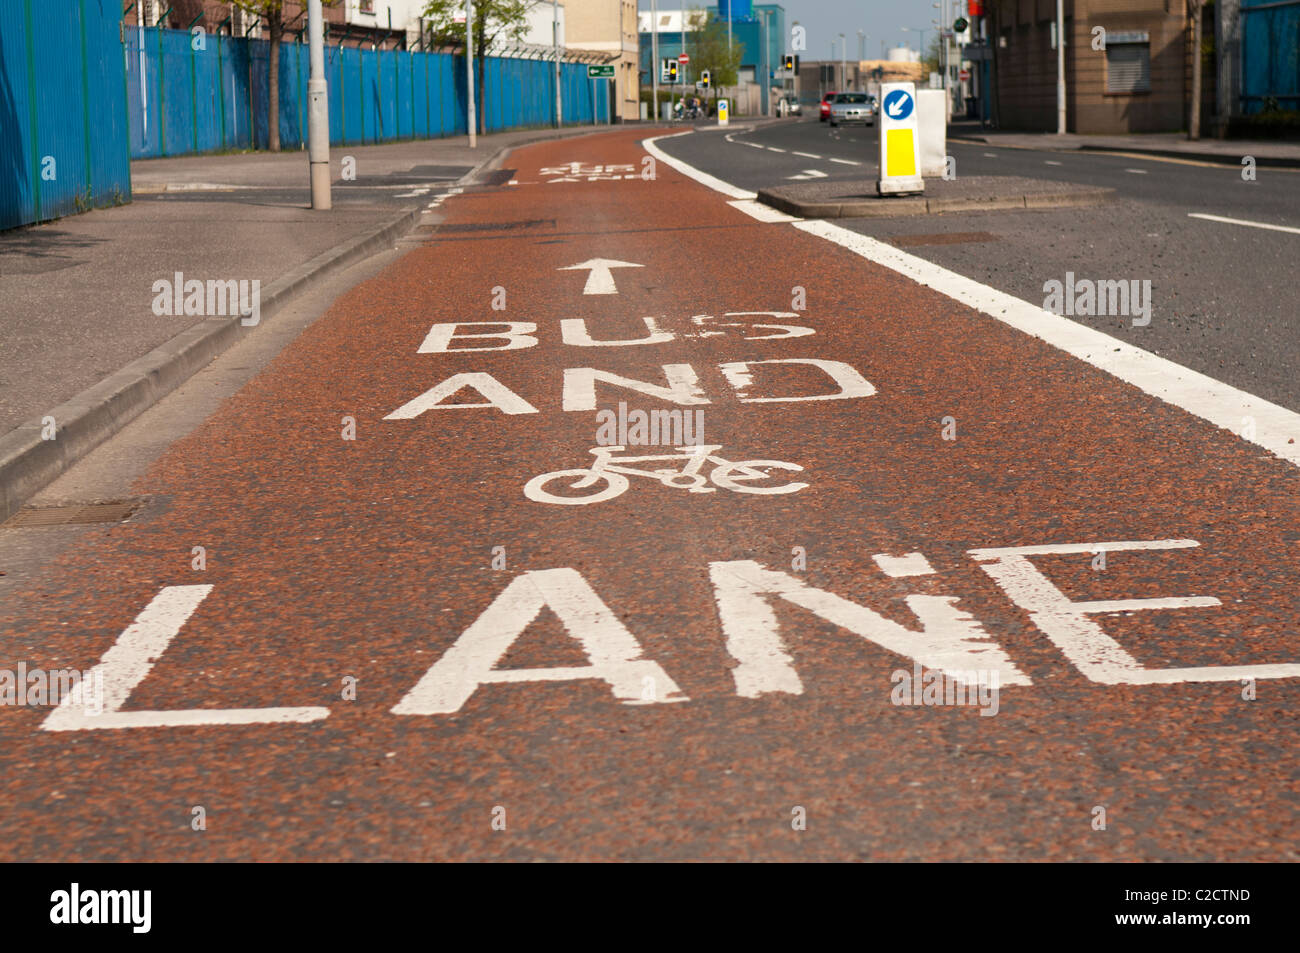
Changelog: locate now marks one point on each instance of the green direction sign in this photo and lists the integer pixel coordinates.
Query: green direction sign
(600, 72)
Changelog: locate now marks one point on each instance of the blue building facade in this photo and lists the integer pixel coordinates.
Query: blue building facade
(747, 32)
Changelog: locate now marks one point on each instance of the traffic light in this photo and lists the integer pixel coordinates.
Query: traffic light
(672, 71)
(789, 64)
(704, 78)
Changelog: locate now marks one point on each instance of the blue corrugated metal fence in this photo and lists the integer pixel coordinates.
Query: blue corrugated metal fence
(80, 95)
(1270, 47)
(63, 118)
(187, 100)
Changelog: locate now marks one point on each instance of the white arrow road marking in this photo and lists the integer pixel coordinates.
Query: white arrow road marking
(808, 174)
(600, 281)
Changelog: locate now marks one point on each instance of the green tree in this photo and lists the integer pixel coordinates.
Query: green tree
(933, 58)
(493, 20)
(272, 14)
(707, 46)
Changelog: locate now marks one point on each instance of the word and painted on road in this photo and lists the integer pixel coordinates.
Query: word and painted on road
(944, 637)
(581, 172)
(600, 278)
(608, 476)
(464, 337)
(681, 386)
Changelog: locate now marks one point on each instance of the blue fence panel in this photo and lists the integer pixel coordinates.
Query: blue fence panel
(186, 100)
(1270, 45)
(63, 118)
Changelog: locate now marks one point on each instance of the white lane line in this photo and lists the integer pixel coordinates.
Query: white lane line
(991, 155)
(1242, 221)
(730, 191)
(752, 145)
(808, 174)
(806, 155)
(1137, 171)
(1276, 429)
(764, 213)
(773, 149)
(1051, 162)
(846, 162)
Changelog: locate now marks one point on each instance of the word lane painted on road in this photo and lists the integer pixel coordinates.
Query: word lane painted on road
(944, 638)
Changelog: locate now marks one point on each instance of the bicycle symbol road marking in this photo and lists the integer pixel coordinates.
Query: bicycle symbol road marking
(608, 476)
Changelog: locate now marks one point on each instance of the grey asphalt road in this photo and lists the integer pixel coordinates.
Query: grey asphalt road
(1222, 295)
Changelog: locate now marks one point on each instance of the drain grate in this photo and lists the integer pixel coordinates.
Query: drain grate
(496, 226)
(113, 511)
(944, 238)
(497, 177)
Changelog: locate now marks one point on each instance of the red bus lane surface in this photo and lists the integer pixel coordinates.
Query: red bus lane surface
(484, 629)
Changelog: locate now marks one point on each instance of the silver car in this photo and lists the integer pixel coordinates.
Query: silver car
(853, 107)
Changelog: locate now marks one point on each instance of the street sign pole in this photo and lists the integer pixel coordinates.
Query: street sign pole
(654, 60)
(471, 120)
(1060, 67)
(318, 114)
(555, 45)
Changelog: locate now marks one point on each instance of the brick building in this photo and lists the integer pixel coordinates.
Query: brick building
(609, 27)
(1139, 82)
(385, 24)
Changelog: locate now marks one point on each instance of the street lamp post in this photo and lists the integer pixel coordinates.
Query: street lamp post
(555, 43)
(766, 87)
(1060, 67)
(844, 53)
(318, 115)
(471, 120)
(921, 40)
(654, 60)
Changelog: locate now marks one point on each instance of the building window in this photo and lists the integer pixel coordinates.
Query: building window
(366, 6)
(1128, 65)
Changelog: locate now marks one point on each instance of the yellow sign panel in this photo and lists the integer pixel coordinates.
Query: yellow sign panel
(900, 154)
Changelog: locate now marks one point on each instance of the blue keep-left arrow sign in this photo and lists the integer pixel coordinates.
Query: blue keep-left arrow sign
(898, 104)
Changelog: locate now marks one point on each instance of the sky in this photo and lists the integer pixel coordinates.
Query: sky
(825, 20)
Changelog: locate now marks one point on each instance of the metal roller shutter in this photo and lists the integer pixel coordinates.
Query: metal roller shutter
(1128, 67)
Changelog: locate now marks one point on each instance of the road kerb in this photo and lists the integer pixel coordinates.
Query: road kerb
(888, 208)
(29, 462)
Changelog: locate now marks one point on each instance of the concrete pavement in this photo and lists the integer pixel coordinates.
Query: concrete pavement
(1266, 152)
(83, 291)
